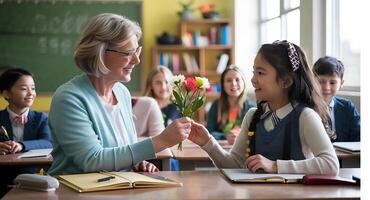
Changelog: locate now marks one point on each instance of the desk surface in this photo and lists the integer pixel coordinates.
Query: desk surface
(12, 159)
(192, 151)
(206, 185)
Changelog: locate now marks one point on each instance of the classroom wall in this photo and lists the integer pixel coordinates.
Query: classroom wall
(161, 15)
(158, 16)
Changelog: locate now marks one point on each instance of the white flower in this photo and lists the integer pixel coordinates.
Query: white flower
(175, 79)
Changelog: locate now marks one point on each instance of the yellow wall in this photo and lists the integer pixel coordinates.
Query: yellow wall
(158, 16)
(42, 103)
(161, 15)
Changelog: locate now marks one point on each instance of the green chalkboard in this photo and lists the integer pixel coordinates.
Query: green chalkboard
(40, 36)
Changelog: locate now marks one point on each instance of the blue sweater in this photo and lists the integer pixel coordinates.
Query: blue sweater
(36, 134)
(83, 137)
(347, 120)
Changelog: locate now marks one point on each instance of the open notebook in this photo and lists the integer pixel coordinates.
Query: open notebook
(245, 176)
(122, 180)
(36, 153)
(351, 147)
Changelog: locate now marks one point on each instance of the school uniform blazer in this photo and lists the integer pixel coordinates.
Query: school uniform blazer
(36, 133)
(347, 120)
(83, 137)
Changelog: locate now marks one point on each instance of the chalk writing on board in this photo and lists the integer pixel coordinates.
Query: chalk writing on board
(65, 24)
(55, 45)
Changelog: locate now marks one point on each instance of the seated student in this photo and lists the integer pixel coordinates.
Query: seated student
(285, 133)
(226, 113)
(344, 119)
(147, 116)
(26, 129)
(158, 86)
(21, 129)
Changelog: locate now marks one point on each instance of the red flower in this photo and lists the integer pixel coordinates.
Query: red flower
(209, 89)
(190, 84)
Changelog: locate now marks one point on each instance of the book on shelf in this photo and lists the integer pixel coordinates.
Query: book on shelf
(222, 63)
(187, 61)
(225, 36)
(176, 62)
(245, 176)
(350, 147)
(102, 181)
(194, 64)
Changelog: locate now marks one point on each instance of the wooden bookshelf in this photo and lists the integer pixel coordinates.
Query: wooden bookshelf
(204, 41)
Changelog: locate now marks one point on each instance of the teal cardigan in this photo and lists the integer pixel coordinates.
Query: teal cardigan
(83, 138)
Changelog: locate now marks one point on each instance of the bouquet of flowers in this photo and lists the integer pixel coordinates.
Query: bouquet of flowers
(189, 94)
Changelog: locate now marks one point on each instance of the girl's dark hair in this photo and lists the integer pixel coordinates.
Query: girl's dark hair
(223, 105)
(10, 76)
(304, 89)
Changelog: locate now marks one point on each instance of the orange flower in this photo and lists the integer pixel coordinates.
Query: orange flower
(206, 7)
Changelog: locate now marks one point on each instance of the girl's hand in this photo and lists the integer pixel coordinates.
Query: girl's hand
(175, 133)
(257, 161)
(232, 135)
(145, 166)
(199, 134)
(5, 147)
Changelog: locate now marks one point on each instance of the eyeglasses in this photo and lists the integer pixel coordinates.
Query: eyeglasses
(127, 54)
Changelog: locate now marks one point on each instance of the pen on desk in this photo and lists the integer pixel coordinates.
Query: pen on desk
(106, 178)
(5, 133)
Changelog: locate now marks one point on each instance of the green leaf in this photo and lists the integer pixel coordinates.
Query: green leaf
(198, 103)
(178, 99)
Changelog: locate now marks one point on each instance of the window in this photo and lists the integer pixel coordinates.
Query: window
(343, 38)
(280, 20)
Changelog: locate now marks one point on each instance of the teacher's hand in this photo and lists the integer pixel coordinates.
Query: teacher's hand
(176, 132)
(145, 166)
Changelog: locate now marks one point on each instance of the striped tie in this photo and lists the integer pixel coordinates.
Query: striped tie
(275, 119)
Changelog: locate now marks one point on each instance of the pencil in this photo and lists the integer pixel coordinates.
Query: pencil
(5, 133)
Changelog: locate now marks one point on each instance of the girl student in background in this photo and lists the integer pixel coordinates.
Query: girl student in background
(227, 112)
(22, 128)
(158, 87)
(285, 133)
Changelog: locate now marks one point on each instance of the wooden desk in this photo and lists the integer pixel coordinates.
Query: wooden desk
(348, 160)
(165, 158)
(191, 158)
(12, 159)
(205, 185)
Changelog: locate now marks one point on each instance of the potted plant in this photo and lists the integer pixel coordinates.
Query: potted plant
(187, 12)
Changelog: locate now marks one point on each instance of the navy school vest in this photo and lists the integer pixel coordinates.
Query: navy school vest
(283, 142)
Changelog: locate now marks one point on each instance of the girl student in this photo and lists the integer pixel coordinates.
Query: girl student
(227, 112)
(285, 133)
(22, 128)
(158, 87)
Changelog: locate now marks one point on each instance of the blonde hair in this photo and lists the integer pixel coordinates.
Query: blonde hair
(157, 69)
(101, 31)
